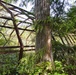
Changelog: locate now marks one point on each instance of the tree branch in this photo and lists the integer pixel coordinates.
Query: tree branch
(16, 29)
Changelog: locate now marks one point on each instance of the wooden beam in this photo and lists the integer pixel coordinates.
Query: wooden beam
(15, 46)
(15, 51)
(18, 28)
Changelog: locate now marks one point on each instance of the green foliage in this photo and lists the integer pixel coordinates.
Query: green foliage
(59, 69)
(39, 54)
(72, 16)
(39, 25)
(2, 39)
(66, 55)
(8, 64)
(42, 68)
(57, 24)
(62, 51)
(28, 65)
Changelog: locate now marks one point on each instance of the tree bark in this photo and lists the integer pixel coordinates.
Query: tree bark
(43, 38)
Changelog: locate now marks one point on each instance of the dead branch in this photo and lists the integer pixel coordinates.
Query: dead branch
(8, 18)
(26, 12)
(14, 28)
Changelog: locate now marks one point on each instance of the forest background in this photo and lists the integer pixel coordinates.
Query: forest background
(21, 32)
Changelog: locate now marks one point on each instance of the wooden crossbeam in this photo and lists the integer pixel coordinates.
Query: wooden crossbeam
(15, 46)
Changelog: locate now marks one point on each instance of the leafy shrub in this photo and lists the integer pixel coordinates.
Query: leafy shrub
(65, 64)
(8, 63)
(28, 66)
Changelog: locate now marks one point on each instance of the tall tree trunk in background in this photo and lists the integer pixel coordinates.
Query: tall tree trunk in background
(43, 38)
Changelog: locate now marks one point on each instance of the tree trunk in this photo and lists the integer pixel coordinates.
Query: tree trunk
(43, 37)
